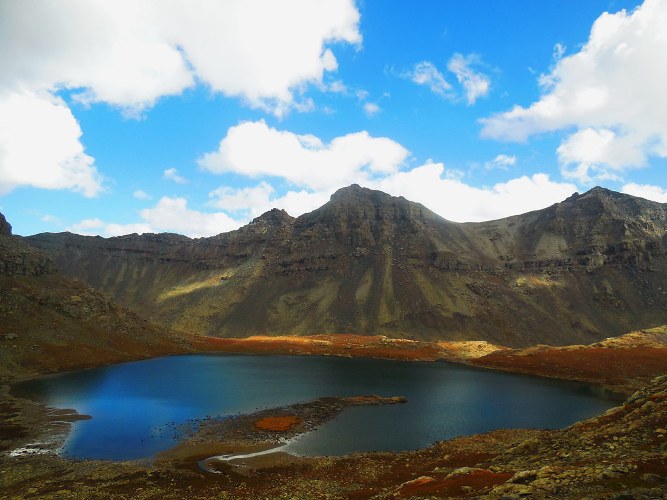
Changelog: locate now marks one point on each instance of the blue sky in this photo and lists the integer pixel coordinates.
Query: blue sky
(195, 117)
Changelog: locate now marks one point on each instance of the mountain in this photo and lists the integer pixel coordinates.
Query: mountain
(50, 323)
(592, 266)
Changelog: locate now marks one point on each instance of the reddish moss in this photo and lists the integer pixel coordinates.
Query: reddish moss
(278, 424)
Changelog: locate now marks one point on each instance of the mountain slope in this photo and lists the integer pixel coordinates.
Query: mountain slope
(366, 262)
(50, 323)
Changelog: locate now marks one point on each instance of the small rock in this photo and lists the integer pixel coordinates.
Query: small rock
(524, 476)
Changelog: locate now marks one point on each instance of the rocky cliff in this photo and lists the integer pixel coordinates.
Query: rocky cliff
(5, 227)
(366, 262)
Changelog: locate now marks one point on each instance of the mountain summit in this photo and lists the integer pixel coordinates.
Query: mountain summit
(578, 271)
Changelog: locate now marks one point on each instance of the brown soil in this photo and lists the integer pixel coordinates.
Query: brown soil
(351, 346)
(623, 370)
(278, 424)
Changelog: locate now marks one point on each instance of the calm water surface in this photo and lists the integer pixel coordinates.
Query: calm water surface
(131, 403)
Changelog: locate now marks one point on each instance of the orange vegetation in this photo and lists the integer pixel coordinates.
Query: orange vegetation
(613, 367)
(349, 345)
(279, 424)
(624, 363)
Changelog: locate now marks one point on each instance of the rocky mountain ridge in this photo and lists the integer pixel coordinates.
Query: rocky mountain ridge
(579, 271)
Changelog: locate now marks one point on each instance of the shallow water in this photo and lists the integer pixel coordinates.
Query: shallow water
(132, 404)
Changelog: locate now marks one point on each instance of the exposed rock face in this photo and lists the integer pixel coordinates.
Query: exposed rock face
(590, 267)
(19, 259)
(5, 227)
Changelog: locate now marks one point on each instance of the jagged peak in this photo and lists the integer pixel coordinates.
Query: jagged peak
(5, 227)
(274, 216)
(608, 197)
(355, 192)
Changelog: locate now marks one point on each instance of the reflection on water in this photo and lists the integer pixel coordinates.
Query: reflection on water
(132, 403)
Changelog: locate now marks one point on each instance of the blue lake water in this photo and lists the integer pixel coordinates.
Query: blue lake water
(130, 403)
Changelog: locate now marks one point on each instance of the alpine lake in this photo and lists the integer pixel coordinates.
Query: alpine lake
(132, 404)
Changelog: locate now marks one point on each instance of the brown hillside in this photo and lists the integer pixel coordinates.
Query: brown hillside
(579, 271)
(50, 323)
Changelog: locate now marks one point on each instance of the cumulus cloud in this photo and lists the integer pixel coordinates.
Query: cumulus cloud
(303, 160)
(40, 146)
(611, 92)
(243, 199)
(254, 201)
(170, 214)
(173, 214)
(319, 169)
(129, 54)
(457, 201)
(437, 188)
(171, 174)
(442, 190)
(474, 83)
(647, 191)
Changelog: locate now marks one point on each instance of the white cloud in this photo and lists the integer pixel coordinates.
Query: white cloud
(141, 195)
(502, 162)
(171, 174)
(371, 108)
(129, 54)
(173, 214)
(426, 73)
(168, 215)
(474, 84)
(321, 168)
(650, 192)
(242, 200)
(255, 201)
(460, 202)
(40, 147)
(441, 190)
(304, 160)
(85, 226)
(50, 219)
(337, 87)
(611, 92)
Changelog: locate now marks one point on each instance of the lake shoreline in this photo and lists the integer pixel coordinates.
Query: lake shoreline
(459, 467)
(609, 375)
(601, 457)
